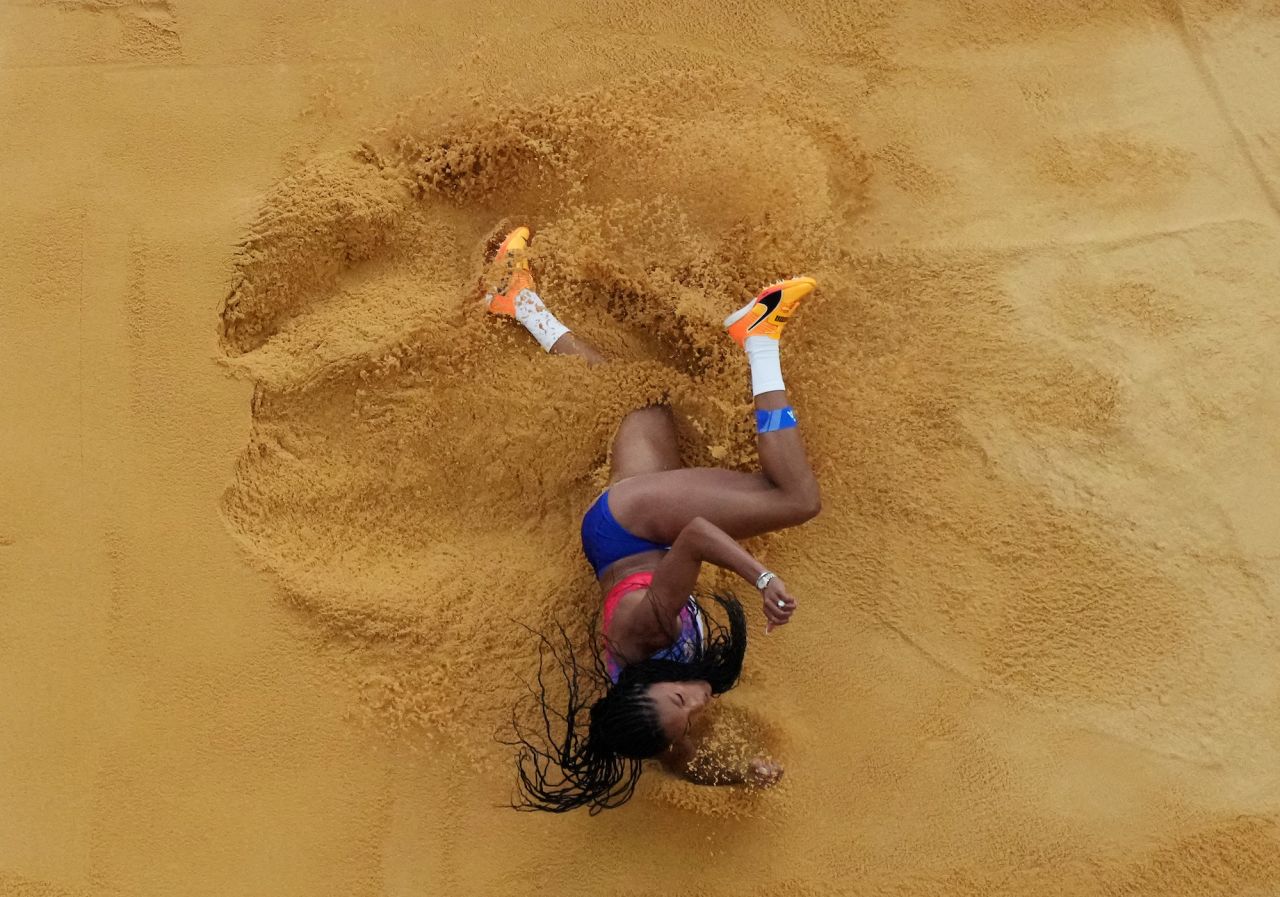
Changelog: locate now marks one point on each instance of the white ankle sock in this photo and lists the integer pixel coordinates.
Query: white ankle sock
(766, 367)
(544, 326)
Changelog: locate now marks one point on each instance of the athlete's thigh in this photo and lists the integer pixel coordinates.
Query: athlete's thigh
(658, 506)
(645, 443)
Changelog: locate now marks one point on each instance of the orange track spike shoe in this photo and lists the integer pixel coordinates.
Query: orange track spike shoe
(769, 312)
(512, 260)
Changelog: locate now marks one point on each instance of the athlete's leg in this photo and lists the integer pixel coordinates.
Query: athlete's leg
(514, 296)
(644, 444)
(659, 505)
(782, 455)
(572, 344)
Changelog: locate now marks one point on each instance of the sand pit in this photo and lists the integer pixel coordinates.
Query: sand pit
(282, 498)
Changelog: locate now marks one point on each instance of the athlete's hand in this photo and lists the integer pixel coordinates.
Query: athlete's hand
(778, 605)
(763, 772)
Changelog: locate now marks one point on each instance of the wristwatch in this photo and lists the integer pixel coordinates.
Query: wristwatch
(763, 580)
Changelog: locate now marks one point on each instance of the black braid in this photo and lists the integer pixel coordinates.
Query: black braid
(561, 767)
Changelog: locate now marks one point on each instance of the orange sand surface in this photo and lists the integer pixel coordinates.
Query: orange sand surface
(275, 498)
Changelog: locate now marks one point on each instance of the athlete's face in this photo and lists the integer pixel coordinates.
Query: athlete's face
(678, 704)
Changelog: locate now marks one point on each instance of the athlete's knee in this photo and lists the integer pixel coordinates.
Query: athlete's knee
(805, 506)
(811, 507)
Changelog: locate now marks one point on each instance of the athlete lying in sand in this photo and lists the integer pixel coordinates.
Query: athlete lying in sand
(646, 537)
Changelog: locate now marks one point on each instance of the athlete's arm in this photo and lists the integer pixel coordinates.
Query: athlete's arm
(701, 540)
(677, 573)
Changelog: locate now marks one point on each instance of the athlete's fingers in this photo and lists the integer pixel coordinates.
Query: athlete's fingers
(778, 598)
(778, 614)
(774, 624)
(777, 592)
(772, 612)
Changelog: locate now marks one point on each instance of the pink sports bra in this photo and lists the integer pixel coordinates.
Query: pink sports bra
(686, 646)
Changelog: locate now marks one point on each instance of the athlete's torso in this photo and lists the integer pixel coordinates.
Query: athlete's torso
(641, 634)
(643, 562)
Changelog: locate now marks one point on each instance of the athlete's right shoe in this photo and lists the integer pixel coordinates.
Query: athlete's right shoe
(768, 313)
(512, 257)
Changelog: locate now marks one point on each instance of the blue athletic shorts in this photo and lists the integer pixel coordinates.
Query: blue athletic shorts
(605, 541)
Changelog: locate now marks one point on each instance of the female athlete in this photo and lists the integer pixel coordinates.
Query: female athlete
(661, 657)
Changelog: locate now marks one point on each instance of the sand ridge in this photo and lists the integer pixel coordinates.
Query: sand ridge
(409, 372)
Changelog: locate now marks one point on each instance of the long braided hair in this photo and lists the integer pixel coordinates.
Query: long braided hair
(590, 754)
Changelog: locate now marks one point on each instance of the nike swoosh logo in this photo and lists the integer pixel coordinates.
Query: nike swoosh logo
(770, 302)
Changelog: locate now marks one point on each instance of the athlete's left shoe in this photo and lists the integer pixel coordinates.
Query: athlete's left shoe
(512, 256)
(768, 313)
